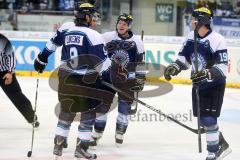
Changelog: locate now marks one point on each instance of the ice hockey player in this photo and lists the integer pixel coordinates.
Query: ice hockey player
(77, 40)
(210, 78)
(123, 45)
(9, 82)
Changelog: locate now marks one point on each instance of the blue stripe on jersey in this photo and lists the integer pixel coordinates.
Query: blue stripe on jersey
(46, 52)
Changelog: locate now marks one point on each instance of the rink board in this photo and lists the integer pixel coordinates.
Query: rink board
(158, 50)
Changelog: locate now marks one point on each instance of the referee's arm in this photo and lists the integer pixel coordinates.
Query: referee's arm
(8, 59)
(11, 59)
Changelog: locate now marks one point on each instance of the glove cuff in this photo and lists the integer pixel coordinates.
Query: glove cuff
(39, 61)
(176, 66)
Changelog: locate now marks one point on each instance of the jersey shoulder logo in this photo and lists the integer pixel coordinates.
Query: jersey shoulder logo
(74, 39)
(207, 44)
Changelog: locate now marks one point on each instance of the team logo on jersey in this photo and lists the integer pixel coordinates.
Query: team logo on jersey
(121, 56)
(207, 44)
(74, 39)
(201, 62)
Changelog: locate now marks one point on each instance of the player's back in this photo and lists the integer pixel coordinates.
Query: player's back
(80, 40)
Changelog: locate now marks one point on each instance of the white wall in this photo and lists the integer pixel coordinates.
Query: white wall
(144, 14)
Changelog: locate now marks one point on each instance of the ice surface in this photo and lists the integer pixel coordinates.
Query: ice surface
(148, 135)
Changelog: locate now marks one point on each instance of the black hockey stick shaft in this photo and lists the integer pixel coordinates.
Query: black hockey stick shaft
(151, 108)
(29, 154)
(136, 106)
(197, 88)
(142, 35)
(133, 111)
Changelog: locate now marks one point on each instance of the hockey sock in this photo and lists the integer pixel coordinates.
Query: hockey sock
(100, 123)
(85, 131)
(63, 128)
(212, 137)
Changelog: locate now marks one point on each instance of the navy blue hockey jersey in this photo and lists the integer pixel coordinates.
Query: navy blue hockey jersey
(76, 41)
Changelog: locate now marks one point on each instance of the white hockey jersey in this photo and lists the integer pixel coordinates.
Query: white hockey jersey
(212, 52)
(130, 55)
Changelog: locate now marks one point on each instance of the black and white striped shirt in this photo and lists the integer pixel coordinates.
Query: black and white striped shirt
(7, 58)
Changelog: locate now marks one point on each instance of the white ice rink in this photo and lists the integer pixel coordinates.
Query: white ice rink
(155, 140)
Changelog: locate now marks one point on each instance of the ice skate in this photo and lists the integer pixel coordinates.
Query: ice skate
(60, 143)
(120, 131)
(119, 139)
(223, 151)
(94, 139)
(81, 151)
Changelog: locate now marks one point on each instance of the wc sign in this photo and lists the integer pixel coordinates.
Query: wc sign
(164, 12)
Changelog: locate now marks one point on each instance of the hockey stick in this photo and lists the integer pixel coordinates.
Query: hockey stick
(133, 111)
(197, 88)
(203, 20)
(29, 154)
(151, 108)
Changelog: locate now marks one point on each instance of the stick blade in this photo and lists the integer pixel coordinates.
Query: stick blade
(29, 154)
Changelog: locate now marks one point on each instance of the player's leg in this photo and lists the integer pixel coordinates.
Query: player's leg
(84, 135)
(65, 118)
(99, 127)
(217, 146)
(62, 131)
(212, 135)
(124, 105)
(211, 99)
(21, 102)
(101, 117)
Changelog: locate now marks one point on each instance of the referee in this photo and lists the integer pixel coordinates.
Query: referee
(9, 83)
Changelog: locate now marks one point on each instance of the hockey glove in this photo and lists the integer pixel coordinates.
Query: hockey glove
(171, 70)
(111, 46)
(201, 76)
(40, 63)
(139, 83)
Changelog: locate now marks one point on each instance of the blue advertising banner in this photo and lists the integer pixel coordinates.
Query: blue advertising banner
(228, 27)
(26, 51)
(231, 22)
